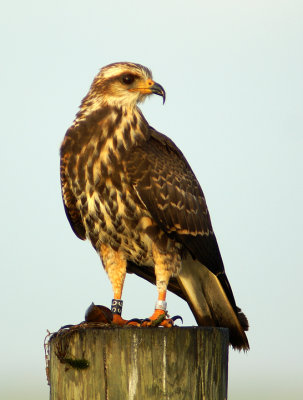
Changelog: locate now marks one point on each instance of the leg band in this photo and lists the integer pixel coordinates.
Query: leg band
(116, 307)
(161, 305)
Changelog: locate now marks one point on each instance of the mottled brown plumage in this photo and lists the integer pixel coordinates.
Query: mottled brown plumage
(130, 190)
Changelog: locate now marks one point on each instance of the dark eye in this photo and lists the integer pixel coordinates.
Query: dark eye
(128, 79)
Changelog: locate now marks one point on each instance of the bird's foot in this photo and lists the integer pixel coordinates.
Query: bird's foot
(118, 320)
(97, 313)
(159, 318)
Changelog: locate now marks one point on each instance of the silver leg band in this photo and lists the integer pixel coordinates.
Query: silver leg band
(161, 305)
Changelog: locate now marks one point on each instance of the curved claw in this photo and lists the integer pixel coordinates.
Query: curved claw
(67, 326)
(167, 323)
(153, 322)
(176, 317)
(145, 320)
(136, 320)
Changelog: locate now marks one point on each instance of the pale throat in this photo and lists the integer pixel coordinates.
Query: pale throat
(92, 103)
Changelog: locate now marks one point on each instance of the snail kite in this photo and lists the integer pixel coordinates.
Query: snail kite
(131, 192)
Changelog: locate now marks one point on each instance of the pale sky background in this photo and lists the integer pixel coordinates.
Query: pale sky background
(233, 73)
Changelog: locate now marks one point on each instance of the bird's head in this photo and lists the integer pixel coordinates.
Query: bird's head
(121, 84)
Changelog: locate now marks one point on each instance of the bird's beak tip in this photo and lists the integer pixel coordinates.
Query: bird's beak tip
(159, 90)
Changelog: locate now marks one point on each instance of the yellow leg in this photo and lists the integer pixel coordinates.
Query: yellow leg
(115, 267)
(164, 267)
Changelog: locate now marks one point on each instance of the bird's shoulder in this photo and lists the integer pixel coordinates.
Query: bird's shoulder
(167, 185)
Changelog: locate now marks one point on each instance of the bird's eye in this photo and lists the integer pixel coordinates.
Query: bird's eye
(128, 79)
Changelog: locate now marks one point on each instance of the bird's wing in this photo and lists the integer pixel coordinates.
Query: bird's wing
(168, 188)
(170, 191)
(69, 200)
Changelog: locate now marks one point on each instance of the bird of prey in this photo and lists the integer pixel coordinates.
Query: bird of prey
(131, 192)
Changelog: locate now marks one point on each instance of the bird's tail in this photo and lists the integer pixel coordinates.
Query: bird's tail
(209, 303)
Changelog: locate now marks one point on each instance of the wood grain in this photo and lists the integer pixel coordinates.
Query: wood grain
(139, 364)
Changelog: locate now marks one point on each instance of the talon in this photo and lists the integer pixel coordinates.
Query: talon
(176, 317)
(146, 322)
(167, 323)
(134, 322)
(67, 326)
(159, 318)
(118, 320)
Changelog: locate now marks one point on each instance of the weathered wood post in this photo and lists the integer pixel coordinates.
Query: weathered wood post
(109, 363)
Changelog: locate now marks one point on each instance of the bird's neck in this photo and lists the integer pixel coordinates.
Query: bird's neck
(114, 129)
(94, 102)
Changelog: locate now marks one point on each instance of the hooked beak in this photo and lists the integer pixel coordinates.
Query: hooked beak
(150, 87)
(159, 90)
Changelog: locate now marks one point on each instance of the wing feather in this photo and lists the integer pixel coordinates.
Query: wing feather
(167, 186)
(69, 200)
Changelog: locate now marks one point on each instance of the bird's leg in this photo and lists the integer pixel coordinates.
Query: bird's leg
(159, 315)
(115, 267)
(165, 264)
(116, 309)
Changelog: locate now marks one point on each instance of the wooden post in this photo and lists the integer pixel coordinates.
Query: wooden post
(109, 363)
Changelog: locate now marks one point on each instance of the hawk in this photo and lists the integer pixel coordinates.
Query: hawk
(131, 192)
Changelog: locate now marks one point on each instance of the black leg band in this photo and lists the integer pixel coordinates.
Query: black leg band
(117, 306)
